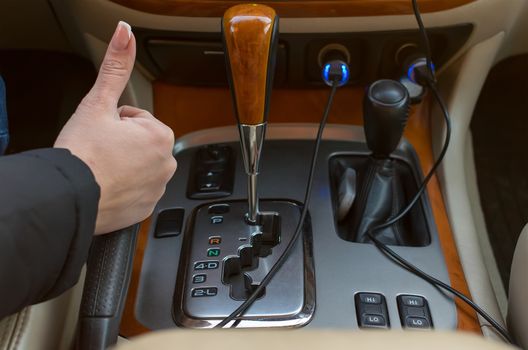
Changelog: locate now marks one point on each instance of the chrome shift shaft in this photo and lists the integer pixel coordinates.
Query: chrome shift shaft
(251, 139)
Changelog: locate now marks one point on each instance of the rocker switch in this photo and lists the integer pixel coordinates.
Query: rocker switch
(414, 312)
(371, 310)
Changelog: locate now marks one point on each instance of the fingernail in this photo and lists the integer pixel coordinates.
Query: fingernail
(121, 36)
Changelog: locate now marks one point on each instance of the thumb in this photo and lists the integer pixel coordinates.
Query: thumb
(115, 69)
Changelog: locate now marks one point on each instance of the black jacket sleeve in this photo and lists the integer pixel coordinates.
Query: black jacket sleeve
(48, 208)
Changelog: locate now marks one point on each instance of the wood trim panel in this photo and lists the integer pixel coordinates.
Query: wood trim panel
(129, 325)
(187, 109)
(292, 8)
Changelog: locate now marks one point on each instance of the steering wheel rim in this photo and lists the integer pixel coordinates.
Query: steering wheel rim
(109, 269)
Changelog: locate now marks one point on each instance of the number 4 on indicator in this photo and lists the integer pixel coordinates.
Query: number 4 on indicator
(206, 265)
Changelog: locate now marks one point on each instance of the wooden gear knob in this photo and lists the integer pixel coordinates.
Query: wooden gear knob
(250, 35)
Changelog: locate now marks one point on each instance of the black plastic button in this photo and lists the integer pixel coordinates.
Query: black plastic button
(212, 172)
(374, 320)
(209, 186)
(417, 322)
(370, 298)
(210, 181)
(414, 312)
(210, 176)
(219, 209)
(412, 300)
(169, 223)
(371, 310)
(213, 154)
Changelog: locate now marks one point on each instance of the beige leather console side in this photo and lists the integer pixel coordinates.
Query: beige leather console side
(460, 85)
(48, 325)
(310, 340)
(12, 328)
(517, 308)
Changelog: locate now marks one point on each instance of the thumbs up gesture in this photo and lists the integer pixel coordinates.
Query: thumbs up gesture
(128, 150)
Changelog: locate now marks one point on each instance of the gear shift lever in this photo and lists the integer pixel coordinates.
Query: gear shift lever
(380, 185)
(250, 36)
(385, 114)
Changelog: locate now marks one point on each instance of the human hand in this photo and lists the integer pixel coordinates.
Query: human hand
(128, 150)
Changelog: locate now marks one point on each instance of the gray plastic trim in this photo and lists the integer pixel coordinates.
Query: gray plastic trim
(342, 268)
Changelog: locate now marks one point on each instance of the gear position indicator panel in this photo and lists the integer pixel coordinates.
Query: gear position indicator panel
(225, 259)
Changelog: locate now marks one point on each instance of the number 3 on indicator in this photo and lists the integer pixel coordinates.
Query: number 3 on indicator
(199, 278)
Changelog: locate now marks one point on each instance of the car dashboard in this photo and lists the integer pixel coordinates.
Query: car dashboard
(198, 257)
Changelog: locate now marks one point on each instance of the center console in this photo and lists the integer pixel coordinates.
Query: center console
(217, 232)
(328, 281)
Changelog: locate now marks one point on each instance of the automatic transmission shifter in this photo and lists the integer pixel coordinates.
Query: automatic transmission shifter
(227, 256)
(380, 187)
(250, 35)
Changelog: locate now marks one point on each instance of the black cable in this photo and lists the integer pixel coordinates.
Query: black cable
(425, 40)
(431, 83)
(284, 256)
(429, 175)
(409, 266)
(431, 80)
(436, 282)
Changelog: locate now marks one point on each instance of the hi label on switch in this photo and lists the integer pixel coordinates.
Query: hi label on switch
(411, 300)
(368, 298)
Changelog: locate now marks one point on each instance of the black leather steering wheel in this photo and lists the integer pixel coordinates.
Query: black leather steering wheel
(105, 289)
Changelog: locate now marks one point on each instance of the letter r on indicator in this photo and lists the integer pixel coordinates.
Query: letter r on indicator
(215, 240)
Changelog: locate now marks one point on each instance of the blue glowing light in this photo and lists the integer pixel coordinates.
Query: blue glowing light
(326, 72)
(334, 70)
(410, 71)
(344, 70)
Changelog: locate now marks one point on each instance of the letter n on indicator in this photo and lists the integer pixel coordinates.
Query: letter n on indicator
(213, 252)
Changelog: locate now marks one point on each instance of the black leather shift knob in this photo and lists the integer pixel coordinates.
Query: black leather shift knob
(385, 114)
